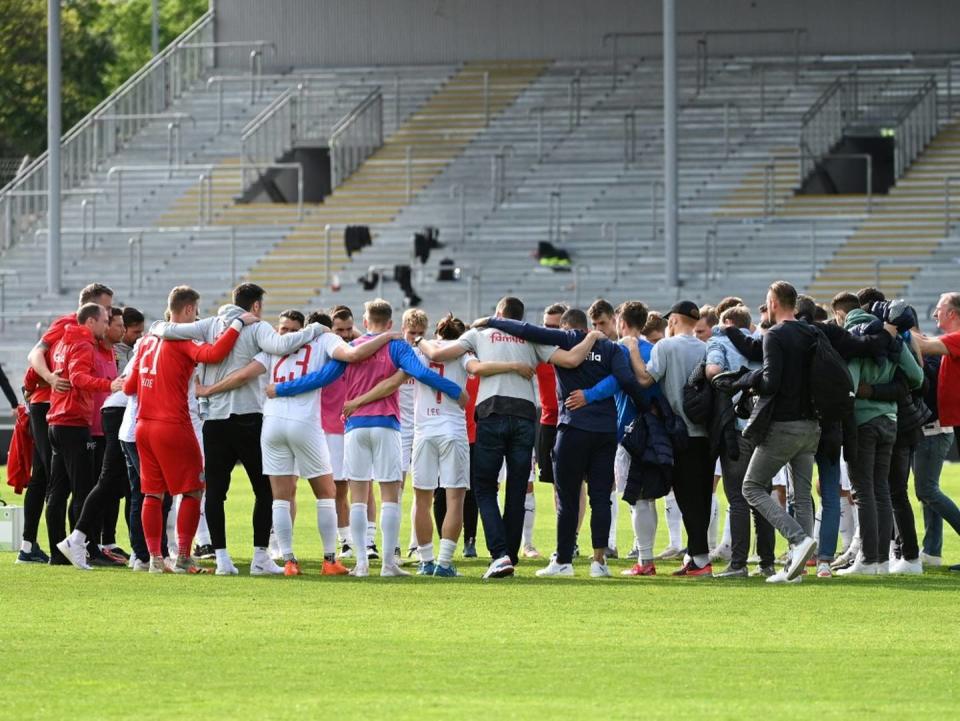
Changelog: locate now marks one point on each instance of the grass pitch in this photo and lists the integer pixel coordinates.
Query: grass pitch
(113, 644)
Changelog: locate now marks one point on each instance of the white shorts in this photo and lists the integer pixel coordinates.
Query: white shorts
(621, 469)
(372, 454)
(335, 446)
(406, 450)
(845, 484)
(718, 471)
(441, 461)
(293, 448)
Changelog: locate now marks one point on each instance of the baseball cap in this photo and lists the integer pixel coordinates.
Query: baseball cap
(686, 308)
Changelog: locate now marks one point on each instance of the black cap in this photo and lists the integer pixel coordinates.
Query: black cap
(686, 308)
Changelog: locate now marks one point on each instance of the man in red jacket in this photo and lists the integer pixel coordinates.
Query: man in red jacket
(170, 458)
(69, 419)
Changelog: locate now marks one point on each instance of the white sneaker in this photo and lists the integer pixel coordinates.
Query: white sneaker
(346, 553)
(132, 561)
(273, 547)
(76, 553)
(499, 568)
(597, 570)
(721, 553)
(360, 570)
(264, 566)
(559, 569)
(823, 570)
(799, 557)
(139, 566)
(158, 564)
(848, 556)
(929, 560)
(530, 551)
(668, 554)
(883, 568)
(903, 567)
(859, 568)
(392, 571)
(227, 569)
(782, 577)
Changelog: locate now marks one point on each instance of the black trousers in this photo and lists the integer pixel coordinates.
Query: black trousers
(740, 511)
(693, 488)
(225, 442)
(111, 481)
(36, 492)
(581, 454)
(546, 439)
(71, 476)
(905, 526)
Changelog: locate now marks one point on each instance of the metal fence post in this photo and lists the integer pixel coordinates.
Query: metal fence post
(486, 98)
(83, 225)
(233, 254)
(396, 102)
(409, 171)
(615, 250)
(326, 254)
(203, 182)
(119, 197)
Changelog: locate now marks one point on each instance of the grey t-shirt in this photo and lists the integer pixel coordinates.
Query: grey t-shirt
(671, 363)
(506, 394)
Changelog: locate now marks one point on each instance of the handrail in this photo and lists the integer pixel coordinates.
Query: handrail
(151, 89)
(702, 45)
(947, 182)
(355, 137)
(370, 98)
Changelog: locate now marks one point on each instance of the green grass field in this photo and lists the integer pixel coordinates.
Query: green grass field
(113, 644)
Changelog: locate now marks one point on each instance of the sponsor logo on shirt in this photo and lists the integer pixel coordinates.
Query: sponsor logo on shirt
(498, 337)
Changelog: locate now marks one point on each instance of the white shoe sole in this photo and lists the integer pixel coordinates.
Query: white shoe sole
(257, 571)
(800, 557)
(546, 573)
(600, 575)
(500, 572)
(232, 571)
(392, 572)
(360, 571)
(65, 549)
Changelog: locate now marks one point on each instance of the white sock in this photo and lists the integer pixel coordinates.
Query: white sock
(712, 528)
(223, 558)
(671, 512)
(614, 516)
(633, 520)
(173, 547)
(447, 547)
(358, 531)
(203, 531)
(645, 528)
(26, 546)
(816, 526)
(529, 517)
(344, 534)
(327, 525)
(727, 538)
(77, 537)
(371, 531)
(701, 559)
(390, 530)
(426, 552)
(283, 528)
(413, 524)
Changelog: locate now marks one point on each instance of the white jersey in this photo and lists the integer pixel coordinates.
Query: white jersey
(436, 414)
(406, 399)
(280, 369)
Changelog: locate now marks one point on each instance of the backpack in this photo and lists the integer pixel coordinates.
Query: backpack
(698, 396)
(831, 387)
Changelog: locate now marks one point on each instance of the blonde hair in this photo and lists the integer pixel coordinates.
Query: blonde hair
(378, 310)
(414, 318)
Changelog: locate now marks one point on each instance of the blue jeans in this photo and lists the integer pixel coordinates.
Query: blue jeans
(138, 543)
(928, 460)
(500, 438)
(829, 470)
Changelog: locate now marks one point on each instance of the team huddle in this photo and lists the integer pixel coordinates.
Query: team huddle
(638, 407)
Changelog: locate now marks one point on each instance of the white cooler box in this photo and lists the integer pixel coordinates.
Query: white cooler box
(11, 527)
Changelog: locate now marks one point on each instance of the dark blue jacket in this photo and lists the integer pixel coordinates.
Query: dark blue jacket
(604, 359)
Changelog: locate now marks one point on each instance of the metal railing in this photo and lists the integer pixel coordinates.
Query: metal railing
(205, 175)
(4, 274)
(702, 47)
(905, 105)
(151, 90)
(355, 137)
(947, 202)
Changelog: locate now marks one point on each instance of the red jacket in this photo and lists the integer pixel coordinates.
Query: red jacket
(53, 336)
(73, 358)
(20, 457)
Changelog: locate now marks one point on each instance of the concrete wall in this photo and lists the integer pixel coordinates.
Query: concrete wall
(371, 32)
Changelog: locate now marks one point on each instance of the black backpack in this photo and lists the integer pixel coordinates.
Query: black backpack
(831, 386)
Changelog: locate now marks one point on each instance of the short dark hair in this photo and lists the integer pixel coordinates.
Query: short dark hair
(729, 302)
(88, 311)
(341, 312)
(634, 314)
(822, 313)
(845, 302)
(132, 316)
(556, 309)
(575, 318)
(114, 312)
(295, 315)
(785, 294)
(246, 294)
(510, 307)
(805, 308)
(89, 292)
(180, 297)
(869, 295)
(600, 307)
(318, 316)
(450, 328)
